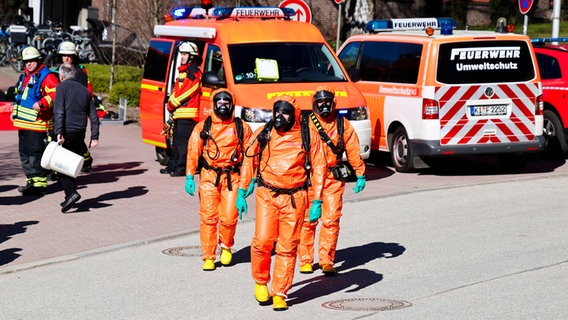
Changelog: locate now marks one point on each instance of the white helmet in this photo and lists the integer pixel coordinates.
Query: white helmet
(188, 47)
(66, 47)
(30, 53)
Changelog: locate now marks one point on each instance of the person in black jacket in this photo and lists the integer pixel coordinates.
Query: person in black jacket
(72, 106)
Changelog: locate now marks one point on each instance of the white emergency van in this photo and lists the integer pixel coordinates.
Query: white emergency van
(434, 91)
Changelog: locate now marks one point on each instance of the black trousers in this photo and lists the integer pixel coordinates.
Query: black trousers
(31, 145)
(182, 131)
(74, 142)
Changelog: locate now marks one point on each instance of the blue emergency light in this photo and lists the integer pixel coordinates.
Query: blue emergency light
(252, 12)
(446, 25)
(178, 13)
(544, 40)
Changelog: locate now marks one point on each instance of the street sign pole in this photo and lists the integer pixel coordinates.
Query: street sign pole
(338, 27)
(525, 24)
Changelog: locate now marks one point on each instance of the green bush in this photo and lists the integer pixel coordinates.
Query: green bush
(126, 82)
(125, 89)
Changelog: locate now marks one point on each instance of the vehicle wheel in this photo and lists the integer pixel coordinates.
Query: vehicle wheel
(556, 144)
(402, 155)
(162, 156)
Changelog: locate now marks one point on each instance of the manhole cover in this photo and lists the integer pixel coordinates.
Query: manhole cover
(187, 251)
(366, 304)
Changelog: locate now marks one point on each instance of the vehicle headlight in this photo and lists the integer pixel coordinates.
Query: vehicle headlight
(359, 113)
(256, 115)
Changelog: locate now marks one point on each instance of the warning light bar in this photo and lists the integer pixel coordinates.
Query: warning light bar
(545, 40)
(229, 12)
(446, 24)
(178, 13)
(252, 12)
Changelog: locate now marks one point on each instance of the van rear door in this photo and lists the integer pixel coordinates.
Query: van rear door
(489, 92)
(153, 91)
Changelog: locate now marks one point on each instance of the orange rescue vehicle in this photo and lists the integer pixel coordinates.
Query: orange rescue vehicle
(257, 53)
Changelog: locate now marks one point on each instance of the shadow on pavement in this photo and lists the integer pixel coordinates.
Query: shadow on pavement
(100, 201)
(8, 230)
(347, 260)
(6, 233)
(9, 255)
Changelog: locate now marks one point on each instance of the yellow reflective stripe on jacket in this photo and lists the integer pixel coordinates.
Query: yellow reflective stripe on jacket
(177, 101)
(185, 113)
(33, 126)
(25, 113)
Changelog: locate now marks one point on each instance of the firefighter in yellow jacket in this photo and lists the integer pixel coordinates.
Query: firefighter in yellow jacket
(33, 98)
(280, 160)
(218, 141)
(183, 104)
(339, 137)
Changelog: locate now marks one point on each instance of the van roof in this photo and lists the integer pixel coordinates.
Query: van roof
(256, 30)
(458, 35)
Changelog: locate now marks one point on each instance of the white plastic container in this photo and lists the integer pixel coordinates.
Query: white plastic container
(59, 159)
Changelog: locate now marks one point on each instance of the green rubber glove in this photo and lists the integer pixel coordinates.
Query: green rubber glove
(250, 189)
(189, 184)
(241, 203)
(315, 210)
(360, 184)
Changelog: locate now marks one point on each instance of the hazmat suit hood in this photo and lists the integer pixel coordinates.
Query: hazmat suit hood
(284, 101)
(215, 114)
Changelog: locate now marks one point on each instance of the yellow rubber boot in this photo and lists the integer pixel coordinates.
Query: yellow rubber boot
(261, 292)
(307, 268)
(208, 265)
(328, 270)
(226, 256)
(279, 304)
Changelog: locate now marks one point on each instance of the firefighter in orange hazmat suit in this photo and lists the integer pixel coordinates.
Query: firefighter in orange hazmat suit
(219, 139)
(183, 104)
(277, 159)
(325, 118)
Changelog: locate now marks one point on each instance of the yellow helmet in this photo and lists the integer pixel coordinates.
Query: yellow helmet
(30, 53)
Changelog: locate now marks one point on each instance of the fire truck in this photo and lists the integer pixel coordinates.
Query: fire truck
(257, 53)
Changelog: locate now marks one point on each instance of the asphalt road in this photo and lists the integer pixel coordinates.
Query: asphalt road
(489, 251)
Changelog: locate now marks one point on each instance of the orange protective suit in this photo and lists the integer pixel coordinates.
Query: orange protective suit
(216, 201)
(279, 214)
(332, 196)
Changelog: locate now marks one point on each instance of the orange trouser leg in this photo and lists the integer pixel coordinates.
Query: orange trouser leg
(276, 220)
(216, 204)
(228, 214)
(307, 235)
(329, 230)
(331, 214)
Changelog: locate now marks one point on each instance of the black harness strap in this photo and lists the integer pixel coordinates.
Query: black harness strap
(227, 170)
(279, 191)
(205, 135)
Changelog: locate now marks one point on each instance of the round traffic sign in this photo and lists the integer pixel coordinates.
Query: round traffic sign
(303, 12)
(525, 6)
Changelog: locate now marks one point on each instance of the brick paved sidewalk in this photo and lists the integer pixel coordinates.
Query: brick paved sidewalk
(125, 201)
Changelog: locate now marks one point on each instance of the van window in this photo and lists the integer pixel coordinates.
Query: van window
(485, 62)
(157, 60)
(297, 62)
(214, 61)
(549, 67)
(390, 62)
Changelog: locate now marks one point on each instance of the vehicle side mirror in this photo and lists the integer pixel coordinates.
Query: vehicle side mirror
(211, 79)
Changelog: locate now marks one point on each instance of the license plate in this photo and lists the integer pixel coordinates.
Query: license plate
(498, 110)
